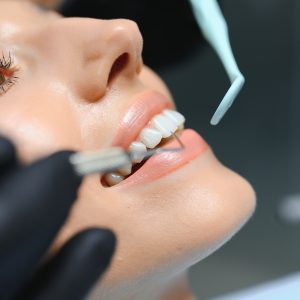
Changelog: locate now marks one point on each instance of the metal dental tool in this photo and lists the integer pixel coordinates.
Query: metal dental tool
(112, 159)
(214, 28)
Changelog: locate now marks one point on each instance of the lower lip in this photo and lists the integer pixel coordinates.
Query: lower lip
(166, 162)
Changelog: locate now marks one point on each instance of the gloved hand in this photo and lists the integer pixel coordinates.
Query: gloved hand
(34, 203)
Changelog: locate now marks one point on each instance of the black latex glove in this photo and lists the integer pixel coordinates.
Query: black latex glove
(34, 203)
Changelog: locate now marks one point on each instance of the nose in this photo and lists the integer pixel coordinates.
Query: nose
(97, 53)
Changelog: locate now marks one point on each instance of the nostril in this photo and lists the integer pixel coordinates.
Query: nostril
(117, 67)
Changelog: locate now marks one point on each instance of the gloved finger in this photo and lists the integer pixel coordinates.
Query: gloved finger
(34, 204)
(8, 159)
(75, 269)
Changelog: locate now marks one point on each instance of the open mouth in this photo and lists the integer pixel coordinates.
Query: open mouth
(155, 134)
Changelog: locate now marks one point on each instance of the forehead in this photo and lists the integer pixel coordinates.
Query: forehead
(16, 16)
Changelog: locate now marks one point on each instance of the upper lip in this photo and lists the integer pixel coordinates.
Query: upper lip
(144, 107)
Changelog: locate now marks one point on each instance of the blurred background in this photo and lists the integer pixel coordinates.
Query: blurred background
(259, 137)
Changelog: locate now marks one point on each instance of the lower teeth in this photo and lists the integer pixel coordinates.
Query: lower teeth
(112, 179)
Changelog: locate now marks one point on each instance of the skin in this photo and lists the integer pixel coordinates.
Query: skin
(62, 101)
(46, 3)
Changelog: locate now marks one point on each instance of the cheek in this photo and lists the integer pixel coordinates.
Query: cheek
(38, 124)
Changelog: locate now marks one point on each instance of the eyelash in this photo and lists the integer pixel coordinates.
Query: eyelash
(7, 71)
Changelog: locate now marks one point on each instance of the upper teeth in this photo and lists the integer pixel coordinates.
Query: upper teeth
(175, 116)
(150, 137)
(139, 149)
(162, 126)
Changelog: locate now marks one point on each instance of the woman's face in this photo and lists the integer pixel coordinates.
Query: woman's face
(82, 85)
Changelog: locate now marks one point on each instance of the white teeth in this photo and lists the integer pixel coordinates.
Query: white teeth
(175, 116)
(164, 125)
(113, 178)
(139, 150)
(125, 170)
(150, 137)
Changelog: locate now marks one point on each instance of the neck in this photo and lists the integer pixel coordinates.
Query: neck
(176, 288)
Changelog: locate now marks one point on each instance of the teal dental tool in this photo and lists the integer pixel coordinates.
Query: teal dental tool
(214, 28)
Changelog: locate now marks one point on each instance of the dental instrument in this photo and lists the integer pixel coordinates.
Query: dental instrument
(214, 28)
(111, 159)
